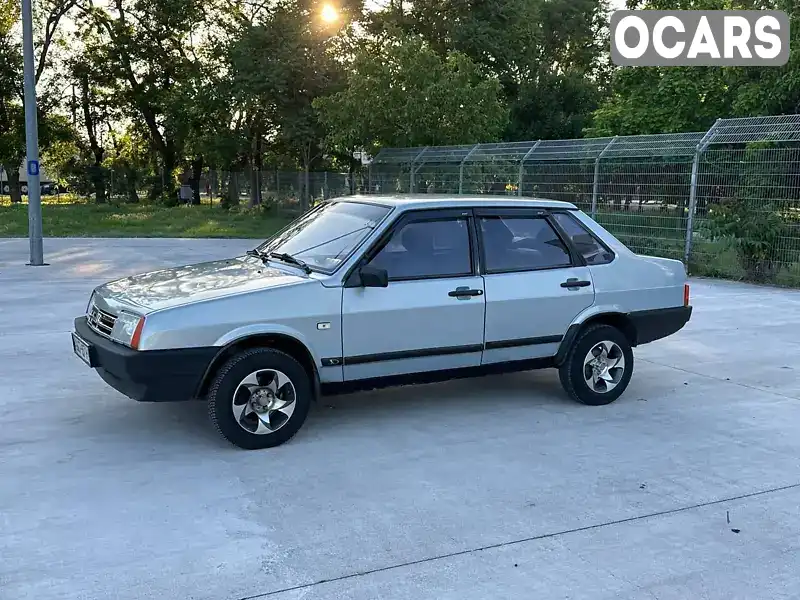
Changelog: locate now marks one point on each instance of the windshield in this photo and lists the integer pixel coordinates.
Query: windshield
(325, 236)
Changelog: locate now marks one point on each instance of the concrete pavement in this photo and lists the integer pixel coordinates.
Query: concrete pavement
(686, 487)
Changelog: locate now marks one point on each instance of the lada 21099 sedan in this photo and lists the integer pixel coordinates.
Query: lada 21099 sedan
(371, 291)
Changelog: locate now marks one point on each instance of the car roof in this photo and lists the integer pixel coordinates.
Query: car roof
(418, 201)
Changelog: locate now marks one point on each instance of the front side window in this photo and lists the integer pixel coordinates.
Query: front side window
(326, 235)
(427, 249)
(521, 244)
(583, 241)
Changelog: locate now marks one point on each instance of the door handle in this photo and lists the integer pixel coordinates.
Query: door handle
(464, 292)
(573, 282)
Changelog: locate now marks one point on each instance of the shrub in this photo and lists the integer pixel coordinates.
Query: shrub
(754, 234)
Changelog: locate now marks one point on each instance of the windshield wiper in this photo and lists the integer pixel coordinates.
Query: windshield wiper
(257, 254)
(291, 260)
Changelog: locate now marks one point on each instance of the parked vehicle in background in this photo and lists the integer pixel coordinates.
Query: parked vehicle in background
(47, 184)
(372, 291)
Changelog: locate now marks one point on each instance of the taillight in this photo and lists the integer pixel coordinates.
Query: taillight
(686, 294)
(137, 334)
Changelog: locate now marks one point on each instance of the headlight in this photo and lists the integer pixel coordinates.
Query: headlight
(128, 329)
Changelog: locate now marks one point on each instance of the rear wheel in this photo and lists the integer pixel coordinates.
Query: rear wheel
(260, 398)
(598, 367)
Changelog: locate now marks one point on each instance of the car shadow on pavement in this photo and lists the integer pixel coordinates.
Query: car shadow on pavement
(525, 390)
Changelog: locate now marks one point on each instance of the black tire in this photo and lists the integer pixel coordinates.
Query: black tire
(227, 380)
(571, 371)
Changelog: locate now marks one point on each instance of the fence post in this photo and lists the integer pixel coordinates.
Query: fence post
(461, 169)
(522, 166)
(414, 170)
(701, 147)
(596, 184)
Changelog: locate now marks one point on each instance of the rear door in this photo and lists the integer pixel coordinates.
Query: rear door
(430, 317)
(535, 286)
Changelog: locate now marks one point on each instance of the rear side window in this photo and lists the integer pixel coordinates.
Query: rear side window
(584, 242)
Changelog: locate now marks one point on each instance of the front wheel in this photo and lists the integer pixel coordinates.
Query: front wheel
(260, 398)
(598, 367)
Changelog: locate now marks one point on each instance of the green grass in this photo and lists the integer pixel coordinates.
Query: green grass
(60, 199)
(133, 220)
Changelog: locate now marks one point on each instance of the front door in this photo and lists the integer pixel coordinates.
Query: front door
(528, 271)
(431, 315)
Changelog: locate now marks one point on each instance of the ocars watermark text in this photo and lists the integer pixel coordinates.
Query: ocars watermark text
(699, 37)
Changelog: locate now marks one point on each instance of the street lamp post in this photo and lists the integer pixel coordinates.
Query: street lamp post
(32, 141)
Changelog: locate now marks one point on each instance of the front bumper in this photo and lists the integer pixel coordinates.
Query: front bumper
(150, 375)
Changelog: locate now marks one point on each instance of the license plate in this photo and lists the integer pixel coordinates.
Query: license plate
(81, 348)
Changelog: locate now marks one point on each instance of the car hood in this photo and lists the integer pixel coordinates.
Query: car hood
(175, 286)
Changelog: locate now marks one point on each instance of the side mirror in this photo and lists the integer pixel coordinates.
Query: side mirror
(373, 277)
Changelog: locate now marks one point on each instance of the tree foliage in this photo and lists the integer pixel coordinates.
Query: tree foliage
(547, 54)
(55, 135)
(399, 92)
(675, 99)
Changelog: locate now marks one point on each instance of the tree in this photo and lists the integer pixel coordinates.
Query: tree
(678, 99)
(48, 17)
(301, 134)
(547, 54)
(261, 75)
(12, 117)
(53, 129)
(93, 103)
(149, 50)
(128, 158)
(261, 61)
(663, 100)
(400, 92)
(314, 74)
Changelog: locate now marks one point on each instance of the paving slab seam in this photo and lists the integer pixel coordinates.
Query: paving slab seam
(534, 538)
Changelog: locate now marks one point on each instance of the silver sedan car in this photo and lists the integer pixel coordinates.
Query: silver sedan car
(372, 291)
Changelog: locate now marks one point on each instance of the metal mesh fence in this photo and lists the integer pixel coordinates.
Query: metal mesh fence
(644, 184)
(747, 222)
(725, 201)
(642, 200)
(284, 189)
(394, 172)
